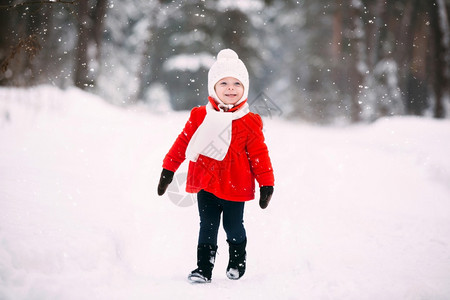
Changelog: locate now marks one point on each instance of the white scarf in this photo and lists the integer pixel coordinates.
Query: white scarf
(213, 137)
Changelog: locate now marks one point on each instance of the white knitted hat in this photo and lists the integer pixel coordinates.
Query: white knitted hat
(228, 64)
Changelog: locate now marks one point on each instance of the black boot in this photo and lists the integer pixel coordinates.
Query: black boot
(236, 264)
(206, 255)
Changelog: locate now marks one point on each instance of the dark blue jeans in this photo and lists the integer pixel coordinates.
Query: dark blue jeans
(210, 209)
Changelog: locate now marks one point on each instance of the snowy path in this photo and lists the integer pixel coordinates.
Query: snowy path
(358, 213)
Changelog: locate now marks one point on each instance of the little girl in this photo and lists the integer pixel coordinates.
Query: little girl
(225, 145)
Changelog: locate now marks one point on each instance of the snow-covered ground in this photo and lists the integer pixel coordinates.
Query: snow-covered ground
(359, 212)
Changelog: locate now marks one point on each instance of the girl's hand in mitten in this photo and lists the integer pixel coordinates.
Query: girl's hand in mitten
(265, 193)
(164, 181)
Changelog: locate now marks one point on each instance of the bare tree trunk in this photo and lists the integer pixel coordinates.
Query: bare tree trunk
(410, 83)
(5, 32)
(82, 62)
(145, 73)
(440, 63)
(90, 32)
(336, 44)
(99, 25)
(375, 35)
(359, 60)
(6, 42)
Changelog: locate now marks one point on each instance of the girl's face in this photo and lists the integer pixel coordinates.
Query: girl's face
(229, 90)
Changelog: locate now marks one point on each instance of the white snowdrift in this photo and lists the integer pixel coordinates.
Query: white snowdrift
(359, 212)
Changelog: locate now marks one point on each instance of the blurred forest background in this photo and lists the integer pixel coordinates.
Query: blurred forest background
(327, 61)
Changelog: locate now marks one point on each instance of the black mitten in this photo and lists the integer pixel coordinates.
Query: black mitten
(164, 181)
(265, 193)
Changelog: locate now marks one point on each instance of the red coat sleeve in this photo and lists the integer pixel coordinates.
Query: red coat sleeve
(258, 153)
(177, 153)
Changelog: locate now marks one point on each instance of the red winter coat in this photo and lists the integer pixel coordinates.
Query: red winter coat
(233, 178)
